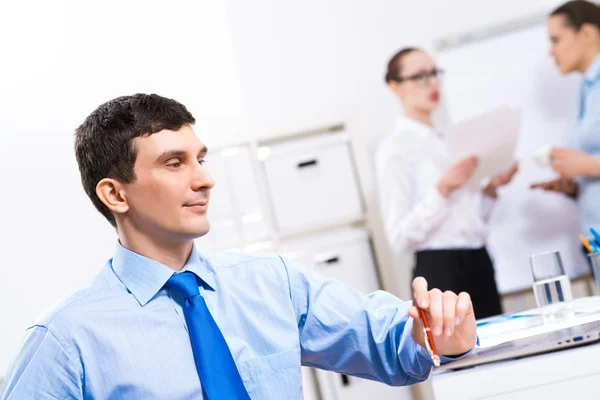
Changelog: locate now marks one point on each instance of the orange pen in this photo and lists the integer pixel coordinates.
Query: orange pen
(429, 339)
(586, 243)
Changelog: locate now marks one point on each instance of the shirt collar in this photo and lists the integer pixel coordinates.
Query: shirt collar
(593, 72)
(144, 277)
(403, 122)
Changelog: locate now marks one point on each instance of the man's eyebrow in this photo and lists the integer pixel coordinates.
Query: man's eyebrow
(168, 154)
(175, 153)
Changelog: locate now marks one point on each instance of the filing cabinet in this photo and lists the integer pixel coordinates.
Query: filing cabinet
(312, 182)
(235, 211)
(309, 384)
(343, 254)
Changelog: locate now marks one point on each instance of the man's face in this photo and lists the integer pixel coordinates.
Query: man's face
(169, 197)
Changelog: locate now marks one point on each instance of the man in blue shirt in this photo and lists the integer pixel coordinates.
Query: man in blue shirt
(163, 321)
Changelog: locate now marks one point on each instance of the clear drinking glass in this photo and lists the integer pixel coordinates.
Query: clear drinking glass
(595, 263)
(551, 286)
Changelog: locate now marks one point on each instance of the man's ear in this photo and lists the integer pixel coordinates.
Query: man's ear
(112, 193)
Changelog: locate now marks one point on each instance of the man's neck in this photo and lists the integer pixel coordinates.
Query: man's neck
(172, 254)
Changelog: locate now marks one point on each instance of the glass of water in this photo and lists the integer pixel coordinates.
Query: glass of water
(551, 286)
(595, 263)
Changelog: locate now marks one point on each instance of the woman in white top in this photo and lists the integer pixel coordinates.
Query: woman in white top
(424, 205)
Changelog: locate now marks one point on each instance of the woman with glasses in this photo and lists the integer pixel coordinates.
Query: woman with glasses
(574, 30)
(424, 203)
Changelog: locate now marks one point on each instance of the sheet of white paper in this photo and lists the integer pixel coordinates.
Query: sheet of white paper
(503, 329)
(491, 136)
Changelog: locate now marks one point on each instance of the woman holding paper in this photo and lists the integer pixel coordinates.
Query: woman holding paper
(424, 203)
(574, 30)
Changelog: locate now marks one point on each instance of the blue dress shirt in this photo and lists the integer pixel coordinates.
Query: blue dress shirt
(125, 336)
(586, 137)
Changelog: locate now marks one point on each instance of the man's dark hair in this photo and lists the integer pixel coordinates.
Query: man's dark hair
(104, 145)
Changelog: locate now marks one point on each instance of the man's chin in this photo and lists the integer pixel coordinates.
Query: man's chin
(199, 231)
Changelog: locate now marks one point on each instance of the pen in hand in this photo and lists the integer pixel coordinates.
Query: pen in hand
(428, 338)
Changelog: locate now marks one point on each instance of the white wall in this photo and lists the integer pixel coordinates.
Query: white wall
(318, 63)
(315, 63)
(245, 69)
(61, 60)
(523, 221)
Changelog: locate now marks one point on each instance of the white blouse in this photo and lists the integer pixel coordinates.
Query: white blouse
(409, 163)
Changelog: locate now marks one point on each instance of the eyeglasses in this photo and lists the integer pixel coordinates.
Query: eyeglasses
(422, 78)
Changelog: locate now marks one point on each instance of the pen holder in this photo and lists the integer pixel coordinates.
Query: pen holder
(595, 263)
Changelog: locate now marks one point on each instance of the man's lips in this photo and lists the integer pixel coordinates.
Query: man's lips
(201, 205)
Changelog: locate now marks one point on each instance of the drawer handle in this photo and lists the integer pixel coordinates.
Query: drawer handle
(331, 260)
(345, 380)
(308, 163)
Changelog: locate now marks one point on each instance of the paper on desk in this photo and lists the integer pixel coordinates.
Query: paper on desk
(491, 136)
(511, 327)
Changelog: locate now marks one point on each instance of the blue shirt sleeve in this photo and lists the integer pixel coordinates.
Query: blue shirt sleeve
(342, 330)
(42, 370)
(586, 132)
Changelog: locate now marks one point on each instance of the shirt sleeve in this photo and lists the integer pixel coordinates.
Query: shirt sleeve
(587, 133)
(43, 369)
(407, 223)
(367, 336)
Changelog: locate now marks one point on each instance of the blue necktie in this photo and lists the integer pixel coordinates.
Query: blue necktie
(218, 373)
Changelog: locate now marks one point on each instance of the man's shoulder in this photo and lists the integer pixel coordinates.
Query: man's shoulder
(241, 267)
(77, 305)
(234, 259)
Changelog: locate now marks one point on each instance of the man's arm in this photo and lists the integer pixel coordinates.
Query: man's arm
(345, 331)
(43, 369)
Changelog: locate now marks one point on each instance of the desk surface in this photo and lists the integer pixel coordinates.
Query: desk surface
(549, 376)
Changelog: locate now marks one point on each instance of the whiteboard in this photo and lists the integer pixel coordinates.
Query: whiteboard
(515, 69)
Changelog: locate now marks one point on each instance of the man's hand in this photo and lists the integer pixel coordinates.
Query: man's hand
(571, 163)
(500, 180)
(451, 319)
(560, 185)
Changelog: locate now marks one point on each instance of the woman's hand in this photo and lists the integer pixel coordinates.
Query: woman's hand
(457, 175)
(500, 180)
(571, 163)
(560, 185)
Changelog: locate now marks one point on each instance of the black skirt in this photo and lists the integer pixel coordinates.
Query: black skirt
(462, 270)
